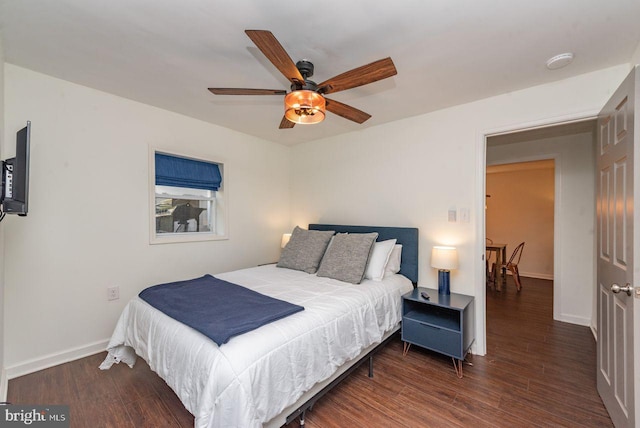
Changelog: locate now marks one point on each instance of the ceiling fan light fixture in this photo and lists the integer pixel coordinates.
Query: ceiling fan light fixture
(304, 107)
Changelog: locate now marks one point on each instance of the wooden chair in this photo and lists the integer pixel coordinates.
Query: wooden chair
(512, 265)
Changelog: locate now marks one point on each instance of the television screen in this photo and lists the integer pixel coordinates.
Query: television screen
(16, 176)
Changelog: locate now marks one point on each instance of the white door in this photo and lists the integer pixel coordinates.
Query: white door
(616, 242)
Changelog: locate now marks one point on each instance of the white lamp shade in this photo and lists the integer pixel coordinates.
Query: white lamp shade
(445, 258)
(285, 239)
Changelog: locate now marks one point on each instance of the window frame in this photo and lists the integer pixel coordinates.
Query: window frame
(220, 204)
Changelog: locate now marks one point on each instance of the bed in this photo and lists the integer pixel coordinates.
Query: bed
(268, 376)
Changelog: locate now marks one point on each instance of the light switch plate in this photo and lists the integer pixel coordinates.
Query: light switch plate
(464, 215)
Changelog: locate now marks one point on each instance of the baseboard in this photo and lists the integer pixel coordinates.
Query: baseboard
(594, 331)
(537, 275)
(37, 364)
(4, 385)
(572, 319)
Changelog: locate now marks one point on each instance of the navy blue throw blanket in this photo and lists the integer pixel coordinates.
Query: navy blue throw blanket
(216, 308)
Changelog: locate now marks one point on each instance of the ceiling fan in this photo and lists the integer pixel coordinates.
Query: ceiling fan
(306, 103)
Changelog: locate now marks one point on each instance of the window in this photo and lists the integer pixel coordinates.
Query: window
(188, 199)
(184, 210)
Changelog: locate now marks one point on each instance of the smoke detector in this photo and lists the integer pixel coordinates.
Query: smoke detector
(559, 61)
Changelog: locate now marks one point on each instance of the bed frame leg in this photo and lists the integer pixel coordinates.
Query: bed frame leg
(371, 366)
(302, 418)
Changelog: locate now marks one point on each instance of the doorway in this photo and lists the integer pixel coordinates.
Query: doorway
(520, 209)
(570, 148)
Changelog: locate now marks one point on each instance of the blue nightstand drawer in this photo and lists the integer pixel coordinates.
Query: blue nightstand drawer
(442, 340)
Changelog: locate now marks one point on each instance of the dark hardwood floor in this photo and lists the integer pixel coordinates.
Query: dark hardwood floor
(537, 372)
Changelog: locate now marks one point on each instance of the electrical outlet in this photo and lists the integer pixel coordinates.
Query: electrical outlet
(113, 293)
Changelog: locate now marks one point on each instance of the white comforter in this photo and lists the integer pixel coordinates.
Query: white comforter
(253, 377)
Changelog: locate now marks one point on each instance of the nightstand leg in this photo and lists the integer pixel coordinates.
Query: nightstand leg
(405, 349)
(457, 365)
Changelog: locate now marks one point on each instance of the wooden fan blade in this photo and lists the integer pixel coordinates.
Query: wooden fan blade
(346, 111)
(286, 123)
(369, 73)
(273, 50)
(242, 91)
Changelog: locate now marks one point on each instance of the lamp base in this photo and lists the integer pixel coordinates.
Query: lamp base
(443, 282)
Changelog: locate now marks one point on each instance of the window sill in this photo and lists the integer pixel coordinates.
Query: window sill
(186, 237)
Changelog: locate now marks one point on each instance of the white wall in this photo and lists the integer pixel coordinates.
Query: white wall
(635, 58)
(575, 212)
(3, 377)
(88, 222)
(410, 172)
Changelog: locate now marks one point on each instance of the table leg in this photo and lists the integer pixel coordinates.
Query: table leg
(499, 261)
(504, 261)
(405, 348)
(457, 365)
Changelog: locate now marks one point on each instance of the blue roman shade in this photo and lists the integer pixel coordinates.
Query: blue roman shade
(180, 172)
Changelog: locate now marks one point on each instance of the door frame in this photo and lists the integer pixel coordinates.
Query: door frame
(481, 171)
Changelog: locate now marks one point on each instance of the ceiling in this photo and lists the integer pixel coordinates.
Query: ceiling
(447, 52)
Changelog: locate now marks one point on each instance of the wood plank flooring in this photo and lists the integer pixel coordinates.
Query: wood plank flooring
(537, 373)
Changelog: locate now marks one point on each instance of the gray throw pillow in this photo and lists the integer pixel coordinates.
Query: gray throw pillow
(305, 249)
(347, 256)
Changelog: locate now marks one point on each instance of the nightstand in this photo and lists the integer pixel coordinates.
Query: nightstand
(443, 323)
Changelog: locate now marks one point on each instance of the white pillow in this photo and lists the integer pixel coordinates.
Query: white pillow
(378, 259)
(393, 265)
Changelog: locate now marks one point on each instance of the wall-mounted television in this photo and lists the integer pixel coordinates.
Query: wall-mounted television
(15, 176)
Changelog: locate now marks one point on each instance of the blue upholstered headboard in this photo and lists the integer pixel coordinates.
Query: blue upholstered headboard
(407, 236)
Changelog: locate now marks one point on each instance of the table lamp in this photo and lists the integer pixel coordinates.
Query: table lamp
(444, 259)
(285, 239)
